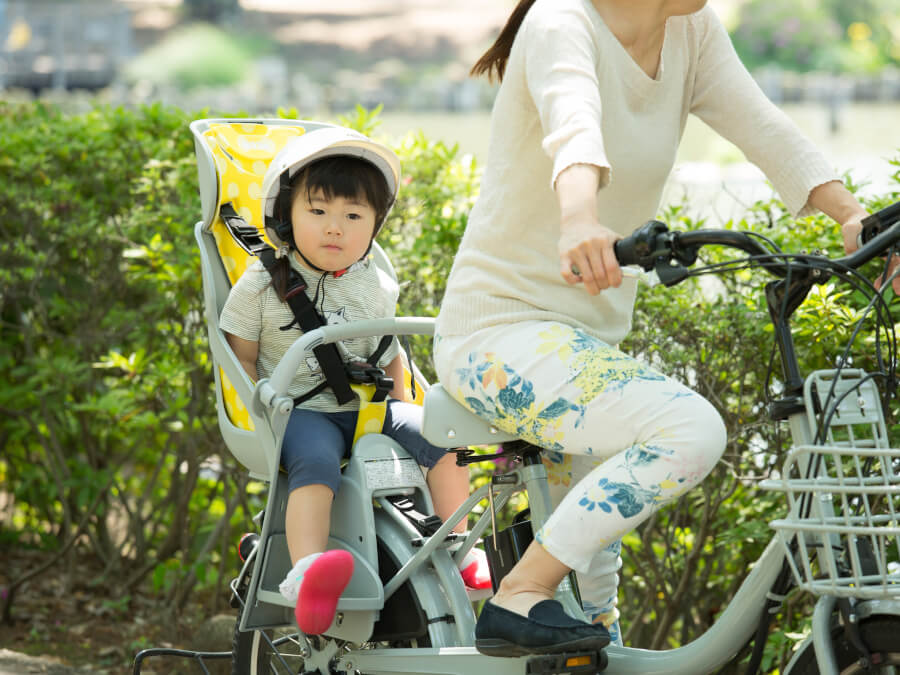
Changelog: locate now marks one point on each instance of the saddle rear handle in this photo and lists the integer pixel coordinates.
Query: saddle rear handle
(272, 392)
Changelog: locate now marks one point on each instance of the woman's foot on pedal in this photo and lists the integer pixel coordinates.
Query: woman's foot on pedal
(323, 582)
(546, 630)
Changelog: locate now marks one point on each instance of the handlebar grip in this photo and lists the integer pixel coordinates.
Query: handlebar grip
(624, 250)
(643, 246)
(878, 222)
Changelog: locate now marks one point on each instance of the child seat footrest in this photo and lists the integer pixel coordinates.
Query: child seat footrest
(364, 592)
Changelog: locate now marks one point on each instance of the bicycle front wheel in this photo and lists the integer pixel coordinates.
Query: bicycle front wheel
(880, 635)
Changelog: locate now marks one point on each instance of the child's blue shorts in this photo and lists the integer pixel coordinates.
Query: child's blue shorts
(315, 442)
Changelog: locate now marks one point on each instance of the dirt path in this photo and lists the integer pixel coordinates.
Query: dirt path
(15, 663)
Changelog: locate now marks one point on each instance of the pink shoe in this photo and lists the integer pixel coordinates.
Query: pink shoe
(322, 585)
(475, 571)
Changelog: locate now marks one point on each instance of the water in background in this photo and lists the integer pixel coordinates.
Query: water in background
(711, 172)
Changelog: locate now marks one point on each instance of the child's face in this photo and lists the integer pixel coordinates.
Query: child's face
(332, 233)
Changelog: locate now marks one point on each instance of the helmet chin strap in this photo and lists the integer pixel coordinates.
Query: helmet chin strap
(335, 274)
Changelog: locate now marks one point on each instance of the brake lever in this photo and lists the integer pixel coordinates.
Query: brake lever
(650, 278)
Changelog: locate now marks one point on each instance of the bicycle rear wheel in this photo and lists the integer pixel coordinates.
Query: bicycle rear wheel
(881, 634)
(285, 650)
(267, 652)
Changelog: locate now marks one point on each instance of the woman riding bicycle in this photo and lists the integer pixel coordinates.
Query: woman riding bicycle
(592, 104)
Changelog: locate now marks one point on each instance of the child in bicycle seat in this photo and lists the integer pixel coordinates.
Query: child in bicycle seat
(326, 195)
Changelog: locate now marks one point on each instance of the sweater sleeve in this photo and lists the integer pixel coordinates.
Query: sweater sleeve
(561, 76)
(726, 97)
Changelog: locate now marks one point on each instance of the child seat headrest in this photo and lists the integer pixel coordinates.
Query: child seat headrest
(233, 156)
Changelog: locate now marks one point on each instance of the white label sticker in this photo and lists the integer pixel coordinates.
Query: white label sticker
(393, 472)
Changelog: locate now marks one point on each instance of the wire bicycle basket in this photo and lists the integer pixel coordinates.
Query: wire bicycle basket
(842, 533)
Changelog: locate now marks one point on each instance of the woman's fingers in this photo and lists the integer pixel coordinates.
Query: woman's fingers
(851, 233)
(587, 257)
(570, 270)
(611, 265)
(895, 283)
(597, 277)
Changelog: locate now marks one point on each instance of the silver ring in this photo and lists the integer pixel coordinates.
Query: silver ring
(574, 270)
(859, 241)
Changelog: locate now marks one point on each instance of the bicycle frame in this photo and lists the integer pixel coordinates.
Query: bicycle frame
(716, 647)
(735, 625)
(708, 652)
(453, 653)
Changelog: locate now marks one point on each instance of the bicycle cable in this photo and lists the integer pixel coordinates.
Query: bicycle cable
(859, 283)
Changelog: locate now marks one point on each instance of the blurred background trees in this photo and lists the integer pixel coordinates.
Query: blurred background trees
(830, 35)
(117, 496)
(212, 11)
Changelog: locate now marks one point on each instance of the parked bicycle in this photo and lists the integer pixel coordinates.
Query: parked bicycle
(406, 609)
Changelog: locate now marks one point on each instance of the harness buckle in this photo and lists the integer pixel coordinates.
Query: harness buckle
(363, 373)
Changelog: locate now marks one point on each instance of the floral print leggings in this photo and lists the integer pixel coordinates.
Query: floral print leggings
(621, 439)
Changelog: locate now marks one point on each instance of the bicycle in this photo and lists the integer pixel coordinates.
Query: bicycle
(407, 611)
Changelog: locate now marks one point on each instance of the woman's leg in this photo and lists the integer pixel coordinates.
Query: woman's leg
(598, 586)
(533, 579)
(572, 394)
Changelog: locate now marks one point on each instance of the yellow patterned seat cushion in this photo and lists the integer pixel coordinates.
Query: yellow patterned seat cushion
(242, 153)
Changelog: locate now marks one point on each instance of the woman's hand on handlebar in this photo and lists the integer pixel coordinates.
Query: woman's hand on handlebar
(851, 232)
(585, 247)
(586, 256)
(835, 200)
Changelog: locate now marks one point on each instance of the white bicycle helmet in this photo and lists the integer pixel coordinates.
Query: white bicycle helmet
(315, 145)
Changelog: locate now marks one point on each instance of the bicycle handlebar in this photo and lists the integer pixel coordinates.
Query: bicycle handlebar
(272, 391)
(654, 247)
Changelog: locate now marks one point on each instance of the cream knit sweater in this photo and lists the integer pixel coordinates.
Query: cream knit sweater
(572, 94)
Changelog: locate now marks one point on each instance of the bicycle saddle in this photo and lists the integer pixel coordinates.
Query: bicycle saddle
(448, 424)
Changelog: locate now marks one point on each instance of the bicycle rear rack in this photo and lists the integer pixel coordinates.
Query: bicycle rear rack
(199, 657)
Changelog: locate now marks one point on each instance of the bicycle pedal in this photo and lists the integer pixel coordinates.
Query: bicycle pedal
(571, 662)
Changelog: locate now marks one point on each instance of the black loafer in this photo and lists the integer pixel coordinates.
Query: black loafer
(547, 630)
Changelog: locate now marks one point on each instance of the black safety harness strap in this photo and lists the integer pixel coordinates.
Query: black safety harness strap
(309, 319)
(426, 525)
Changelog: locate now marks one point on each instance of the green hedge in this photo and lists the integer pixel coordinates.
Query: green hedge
(108, 424)
(108, 419)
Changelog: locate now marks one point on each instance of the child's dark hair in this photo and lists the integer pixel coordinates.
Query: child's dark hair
(495, 58)
(341, 176)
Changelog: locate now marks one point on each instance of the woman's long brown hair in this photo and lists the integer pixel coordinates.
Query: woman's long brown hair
(494, 59)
